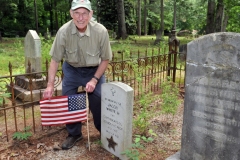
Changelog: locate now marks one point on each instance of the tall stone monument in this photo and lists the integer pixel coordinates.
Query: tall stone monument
(32, 47)
(117, 114)
(211, 123)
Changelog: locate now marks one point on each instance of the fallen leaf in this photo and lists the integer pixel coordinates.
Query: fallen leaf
(40, 144)
(14, 154)
(38, 151)
(48, 148)
(56, 146)
(30, 151)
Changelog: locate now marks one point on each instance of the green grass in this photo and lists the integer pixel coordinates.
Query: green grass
(12, 50)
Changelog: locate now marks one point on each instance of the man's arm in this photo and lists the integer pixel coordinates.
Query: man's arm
(90, 86)
(101, 68)
(51, 78)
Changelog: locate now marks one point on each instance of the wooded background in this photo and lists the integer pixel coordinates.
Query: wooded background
(125, 17)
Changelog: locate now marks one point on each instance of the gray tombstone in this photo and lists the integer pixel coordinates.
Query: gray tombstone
(32, 47)
(117, 114)
(211, 123)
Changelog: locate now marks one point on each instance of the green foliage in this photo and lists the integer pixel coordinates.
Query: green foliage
(142, 120)
(169, 97)
(139, 141)
(190, 14)
(46, 45)
(144, 109)
(233, 22)
(3, 94)
(12, 52)
(23, 135)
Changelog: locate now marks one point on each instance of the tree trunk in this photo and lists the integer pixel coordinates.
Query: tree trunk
(219, 16)
(36, 16)
(50, 14)
(225, 22)
(150, 26)
(210, 27)
(145, 17)
(139, 18)
(159, 32)
(122, 31)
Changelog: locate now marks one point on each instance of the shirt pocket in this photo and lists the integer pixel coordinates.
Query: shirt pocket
(72, 55)
(93, 58)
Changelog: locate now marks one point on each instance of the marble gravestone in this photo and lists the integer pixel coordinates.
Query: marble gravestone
(32, 47)
(211, 121)
(117, 114)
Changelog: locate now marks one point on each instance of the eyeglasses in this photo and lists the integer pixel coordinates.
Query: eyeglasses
(83, 15)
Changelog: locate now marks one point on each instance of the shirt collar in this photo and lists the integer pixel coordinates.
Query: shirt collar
(75, 31)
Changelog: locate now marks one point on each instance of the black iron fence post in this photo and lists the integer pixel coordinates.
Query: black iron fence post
(173, 49)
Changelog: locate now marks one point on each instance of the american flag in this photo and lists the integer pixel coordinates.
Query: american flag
(63, 109)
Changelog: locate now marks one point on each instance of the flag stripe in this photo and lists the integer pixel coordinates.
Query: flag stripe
(62, 122)
(54, 105)
(53, 110)
(63, 109)
(65, 114)
(62, 118)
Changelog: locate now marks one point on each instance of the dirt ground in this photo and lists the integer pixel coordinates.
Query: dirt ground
(46, 144)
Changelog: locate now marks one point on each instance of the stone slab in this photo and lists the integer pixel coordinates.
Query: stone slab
(24, 82)
(25, 95)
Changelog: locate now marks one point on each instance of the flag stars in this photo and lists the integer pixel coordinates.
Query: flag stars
(77, 102)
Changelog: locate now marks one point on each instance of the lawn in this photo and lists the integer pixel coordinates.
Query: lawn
(12, 50)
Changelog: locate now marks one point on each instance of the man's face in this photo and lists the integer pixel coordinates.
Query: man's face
(81, 17)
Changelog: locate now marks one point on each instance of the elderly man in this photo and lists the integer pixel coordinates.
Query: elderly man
(84, 45)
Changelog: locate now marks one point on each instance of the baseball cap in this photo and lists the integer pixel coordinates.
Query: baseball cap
(81, 3)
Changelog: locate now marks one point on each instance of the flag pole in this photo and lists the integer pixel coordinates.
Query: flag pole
(87, 105)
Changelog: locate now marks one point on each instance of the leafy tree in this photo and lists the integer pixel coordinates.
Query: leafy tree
(233, 22)
(107, 14)
(9, 19)
(231, 18)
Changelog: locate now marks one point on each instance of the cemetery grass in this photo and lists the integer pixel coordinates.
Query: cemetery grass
(12, 50)
(46, 142)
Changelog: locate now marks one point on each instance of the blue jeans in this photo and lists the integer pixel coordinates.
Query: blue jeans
(72, 79)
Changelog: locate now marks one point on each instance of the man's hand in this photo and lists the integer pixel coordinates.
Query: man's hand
(90, 86)
(48, 93)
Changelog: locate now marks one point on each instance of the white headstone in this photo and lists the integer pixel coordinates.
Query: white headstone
(117, 114)
(32, 47)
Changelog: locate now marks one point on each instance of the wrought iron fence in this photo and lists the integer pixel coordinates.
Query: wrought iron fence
(143, 73)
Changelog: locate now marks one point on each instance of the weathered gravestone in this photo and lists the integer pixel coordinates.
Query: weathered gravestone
(28, 88)
(211, 123)
(32, 47)
(117, 112)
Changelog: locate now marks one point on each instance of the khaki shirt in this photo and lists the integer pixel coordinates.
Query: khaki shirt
(81, 51)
